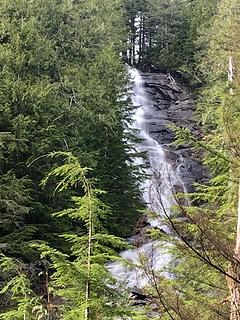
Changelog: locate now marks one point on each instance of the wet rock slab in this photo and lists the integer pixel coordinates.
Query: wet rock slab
(173, 104)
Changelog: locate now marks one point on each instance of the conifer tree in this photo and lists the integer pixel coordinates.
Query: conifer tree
(79, 284)
(227, 124)
(82, 280)
(24, 303)
(210, 229)
(62, 81)
(204, 242)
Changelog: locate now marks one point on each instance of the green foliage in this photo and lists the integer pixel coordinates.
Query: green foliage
(175, 34)
(77, 282)
(62, 83)
(84, 271)
(170, 41)
(19, 299)
(200, 39)
(207, 237)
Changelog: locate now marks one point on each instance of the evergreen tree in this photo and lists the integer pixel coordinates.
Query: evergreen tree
(88, 289)
(206, 240)
(167, 35)
(79, 285)
(24, 303)
(203, 239)
(62, 81)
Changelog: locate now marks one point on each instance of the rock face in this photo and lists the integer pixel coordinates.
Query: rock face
(174, 105)
(167, 103)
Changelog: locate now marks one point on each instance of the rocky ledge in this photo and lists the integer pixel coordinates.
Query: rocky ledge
(174, 105)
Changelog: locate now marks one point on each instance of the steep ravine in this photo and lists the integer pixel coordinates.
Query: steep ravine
(159, 101)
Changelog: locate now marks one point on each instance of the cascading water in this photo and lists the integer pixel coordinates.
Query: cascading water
(157, 190)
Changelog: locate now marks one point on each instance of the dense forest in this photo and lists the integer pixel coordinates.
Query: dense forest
(69, 184)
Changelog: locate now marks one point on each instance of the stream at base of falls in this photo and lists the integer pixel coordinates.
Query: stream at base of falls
(157, 192)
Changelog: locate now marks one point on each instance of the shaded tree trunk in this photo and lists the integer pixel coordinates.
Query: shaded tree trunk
(234, 271)
(234, 268)
(132, 41)
(142, 39)
(89, 254)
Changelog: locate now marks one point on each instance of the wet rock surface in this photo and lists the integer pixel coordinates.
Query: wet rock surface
(171, 103)
(162, 102)
(174, 105)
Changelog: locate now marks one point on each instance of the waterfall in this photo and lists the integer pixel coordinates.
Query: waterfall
(157, 191)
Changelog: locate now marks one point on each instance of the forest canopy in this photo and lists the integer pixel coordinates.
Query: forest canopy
(70, 185)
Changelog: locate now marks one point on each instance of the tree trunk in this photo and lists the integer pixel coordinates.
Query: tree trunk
(234, 268)
(234, 271)
(132, 38)
(234, 289)
(230, 72)
(140, 39)
(89, 253)
(143, 37)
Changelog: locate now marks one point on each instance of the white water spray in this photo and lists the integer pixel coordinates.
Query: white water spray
(157, 190)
